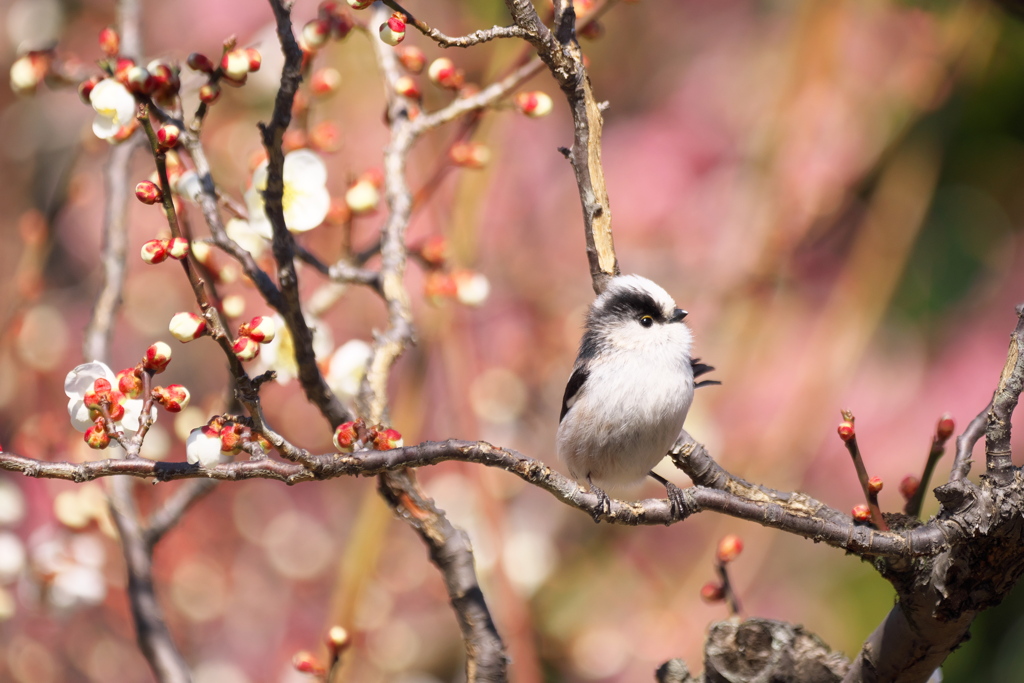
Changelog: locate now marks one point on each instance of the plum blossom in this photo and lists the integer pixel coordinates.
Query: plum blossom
(80, 380)
(347, 367)
(203, 446)
(74, 565)
(115, 108)
(279, 354)
(306, 199)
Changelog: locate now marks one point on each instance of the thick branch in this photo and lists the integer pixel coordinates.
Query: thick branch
(998, 461)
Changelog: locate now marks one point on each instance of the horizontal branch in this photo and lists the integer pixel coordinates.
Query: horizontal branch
(444, 40)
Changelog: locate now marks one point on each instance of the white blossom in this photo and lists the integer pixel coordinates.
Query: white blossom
(347, 367)
(115, 108)
(80, 380)
(305, 199)
(203, 447)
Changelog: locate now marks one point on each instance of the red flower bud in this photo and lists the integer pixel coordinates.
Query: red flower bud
(945, 428)
(173, 397)
(168, 135)
(245, 348)
(96, 436)
(148, 192)
(412, 58)
(187, 326)
(255, 59)
(392, 31)
(435, 250)
(443, 73)
(177, 248)
(345, 437)
(325, 82)
(406, 86)
(209, 93)
(861, 513)
(908, 486)
(875, 484)
(846, 431)
(129, 383)
(712, 592)
(729, 548)
(337, 639)
(200, 62)
(158, 356)
(387, 439)
(305, 661)
(534, 104)
(110, 42)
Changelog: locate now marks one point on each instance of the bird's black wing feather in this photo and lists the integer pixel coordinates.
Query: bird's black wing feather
(579, 376)
(702, 369)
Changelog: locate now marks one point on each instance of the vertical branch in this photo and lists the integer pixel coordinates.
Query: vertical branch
(998, 463)
(313, 383)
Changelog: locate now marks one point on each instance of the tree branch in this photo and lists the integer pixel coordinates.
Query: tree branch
(998, 460)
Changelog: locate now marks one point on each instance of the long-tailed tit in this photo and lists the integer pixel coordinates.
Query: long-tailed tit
(630, 389)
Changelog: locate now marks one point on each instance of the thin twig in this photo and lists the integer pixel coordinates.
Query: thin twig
(444, 40)
(870, 496)
(965, 444)
(935, 453)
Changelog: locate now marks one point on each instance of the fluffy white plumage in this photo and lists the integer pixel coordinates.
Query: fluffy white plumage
(631, 387)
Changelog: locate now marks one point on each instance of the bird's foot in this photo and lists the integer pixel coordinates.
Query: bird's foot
(676, 498)
(604, 503)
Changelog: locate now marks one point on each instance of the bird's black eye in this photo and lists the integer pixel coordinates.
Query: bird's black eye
(646, 320)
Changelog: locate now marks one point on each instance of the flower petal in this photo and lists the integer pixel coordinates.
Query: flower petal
(305, 169)
(307, 209)
(249, 235)
(80, 380)
(79, 414)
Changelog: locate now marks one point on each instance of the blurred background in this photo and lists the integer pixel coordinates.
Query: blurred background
(831, 189)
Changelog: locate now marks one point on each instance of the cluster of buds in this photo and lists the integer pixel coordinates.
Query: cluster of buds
(158, 79)
(356, 436)
(392, 31)
(221, 437)
(363, 195)
(103, 401)
(332, 22)
(535, 103)
(729, 548)
(468, 287)
(260, 330)
(174, 397)
(158, 251)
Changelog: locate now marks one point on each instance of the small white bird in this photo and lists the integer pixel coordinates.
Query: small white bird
(630, 389)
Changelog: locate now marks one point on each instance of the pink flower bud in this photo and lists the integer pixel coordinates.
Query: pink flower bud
(406, 86)
(325, 137)
(168, 135)
(729, 548)
(846, 431)
(232, 438)
(154, 251)
(177, 248)
(534, 104)
(435, 251)
(200, 62)
(187, 326)
(443, 73)
(157, 357)
(304, 661)
(96, 436)
(712, 592)
(245, 348)
(469, 154)
(261, 329)
(173, 397)
(110, 42)
(255, 59)
(85, 88)
(875, 484)
(337, 639)
(116, 408)
(362, 196)
(138, 80)
(945, 428)
(861, 513)
(129, 383)
(209, 92)
(121, 68)
(235, 64)
(341, 23)
(28, 71)
(359, 4)
(325, 82)
(165, 77)
(439, 286)
(387, 439)
(412, 58)
(908, 486)
(345, 437)
(148, 193)
(392, 31)
(315, 34)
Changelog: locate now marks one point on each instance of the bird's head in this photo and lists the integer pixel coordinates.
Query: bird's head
(634, 313)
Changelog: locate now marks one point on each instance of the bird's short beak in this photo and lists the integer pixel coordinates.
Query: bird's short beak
(677, 316)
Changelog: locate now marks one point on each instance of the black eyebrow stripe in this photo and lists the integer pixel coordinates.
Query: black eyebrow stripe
(632, 303)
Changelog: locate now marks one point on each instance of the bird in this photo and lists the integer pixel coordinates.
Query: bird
(630, 389)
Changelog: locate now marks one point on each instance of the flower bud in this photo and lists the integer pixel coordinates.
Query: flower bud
(945, 428)
(325, 137)
(406, 86)
(177, 248)
(168, 135)
(443, 73)
(412, 58)
(138, 80)
(173, 397)
(232, 438)
(116, 407)
(387, 439)
(245, 348)
(187, 326)
(592, 30)
(209, 92)
(469, 154)
(165, 77)
(304, 661)
(154, 251)
(96, 436)
(255, 59)
(874, 484)
(392, 31)
(325, 82)
(729, 548)
(157, 357)
(439, 286)
(435, 250)
(363, 196)
(200, 62)
(121, 67)
(315, 34)
(359, 4)
(534, 104)
(337, 639)
(908, 486)
(471, 288)
(261, 328)
(346, 437)
(846, 431)
(129, 383)
(712, 592)
(148, 192)
(28, 71)
(110, 42)
(235, 65)
(861, 513)
(85, 88)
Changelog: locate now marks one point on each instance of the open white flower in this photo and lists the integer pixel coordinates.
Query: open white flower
(203, 446)
(115, 108)
(247, 236)
(80, 380)
(306, 199)
(347, 367)
(279, 355)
